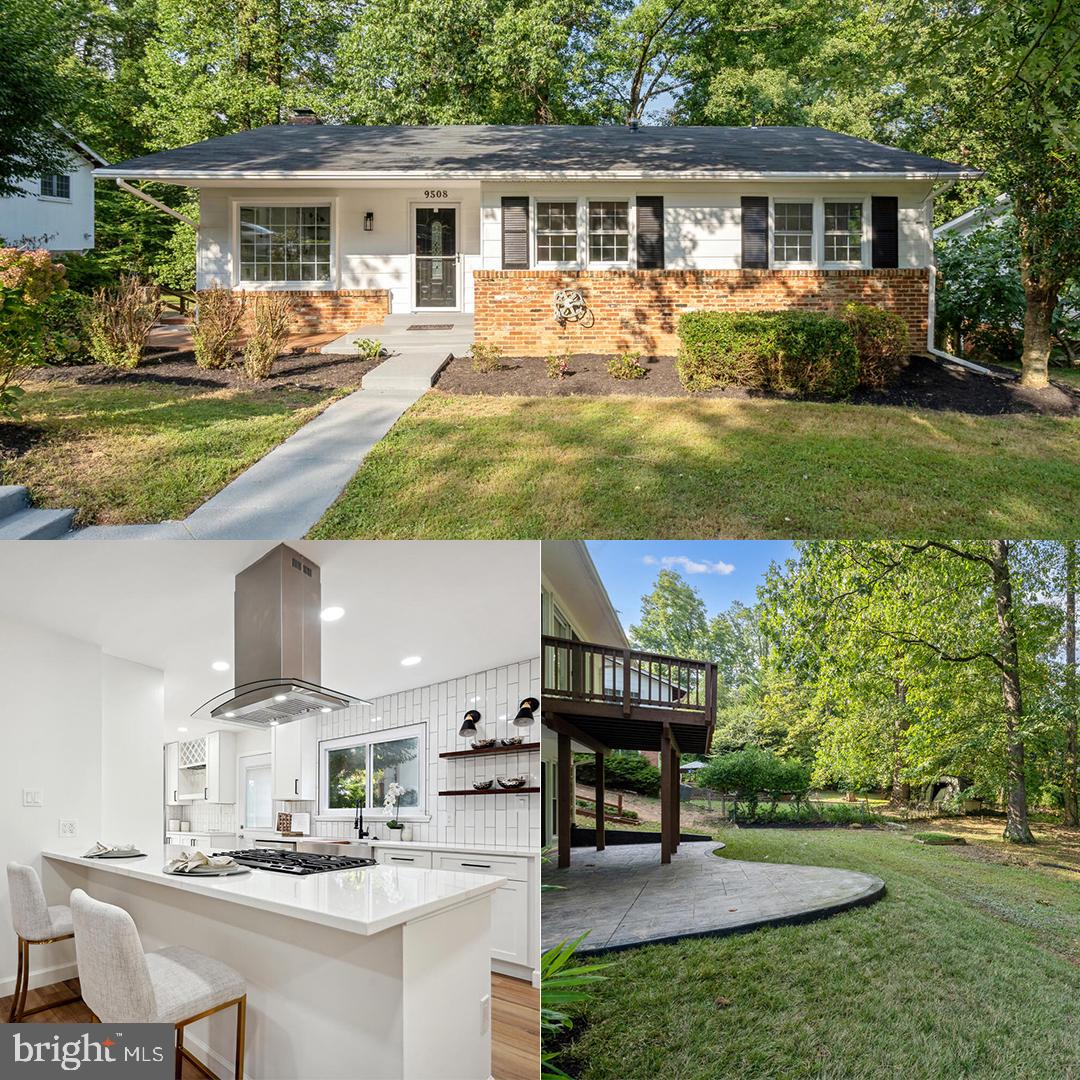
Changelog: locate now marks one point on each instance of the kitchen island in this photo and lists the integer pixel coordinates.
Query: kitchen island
(377, 972)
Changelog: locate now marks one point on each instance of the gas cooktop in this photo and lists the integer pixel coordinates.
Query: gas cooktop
(292, 862)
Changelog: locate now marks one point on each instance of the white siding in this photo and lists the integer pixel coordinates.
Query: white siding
(67, 223)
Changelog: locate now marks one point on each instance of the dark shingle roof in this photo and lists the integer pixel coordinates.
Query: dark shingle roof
(535, 152)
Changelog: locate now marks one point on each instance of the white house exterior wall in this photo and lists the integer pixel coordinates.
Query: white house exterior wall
(67, 223)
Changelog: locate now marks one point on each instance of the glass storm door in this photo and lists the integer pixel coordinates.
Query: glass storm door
(436, 257)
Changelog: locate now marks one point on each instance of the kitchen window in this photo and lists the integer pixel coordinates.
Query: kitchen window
(609, 232)
(793, 232)
(362, 767)
(284, 244)
(843, 232)
(56, 186)
(556, 232)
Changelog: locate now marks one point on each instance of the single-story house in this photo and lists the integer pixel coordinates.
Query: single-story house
(989, 214)
(55, 212)
(643, 222)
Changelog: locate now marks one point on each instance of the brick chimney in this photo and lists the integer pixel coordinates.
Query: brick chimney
(303, 116)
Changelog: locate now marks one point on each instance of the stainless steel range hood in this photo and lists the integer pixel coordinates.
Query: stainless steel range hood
(277, 646)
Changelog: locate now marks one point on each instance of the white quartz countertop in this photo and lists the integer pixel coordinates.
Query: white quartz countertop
(475, 849)
(366, 900)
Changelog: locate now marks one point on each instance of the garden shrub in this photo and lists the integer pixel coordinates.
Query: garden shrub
(748, 774)
(485, 357)
(271, 319)
(557, 364)
(626, 366)
(28, 280)
(66, 339)
(624, 772)
(881, 340)
(120, 322)
(938, 839)
(218, 317)
(797, 352)
(369, 348)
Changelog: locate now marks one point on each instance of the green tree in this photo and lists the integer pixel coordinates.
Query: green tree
(673, 620)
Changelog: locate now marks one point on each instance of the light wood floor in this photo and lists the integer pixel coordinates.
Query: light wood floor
(515, 1033)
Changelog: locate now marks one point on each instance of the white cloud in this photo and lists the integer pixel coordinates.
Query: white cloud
(688, 565)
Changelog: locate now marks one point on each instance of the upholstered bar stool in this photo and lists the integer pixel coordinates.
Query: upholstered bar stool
(122, 984)
(35, 923)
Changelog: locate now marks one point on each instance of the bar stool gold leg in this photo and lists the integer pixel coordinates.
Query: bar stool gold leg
(179, 1051)
(18, 983)
(241, 1032)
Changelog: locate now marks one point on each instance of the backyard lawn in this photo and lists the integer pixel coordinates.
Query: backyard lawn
(969, 967)
(145, 451)
(498, 466)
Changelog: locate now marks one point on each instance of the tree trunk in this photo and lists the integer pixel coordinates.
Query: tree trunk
(1016, 821)
(901, 789)
(1038, 318)
(1071, 816)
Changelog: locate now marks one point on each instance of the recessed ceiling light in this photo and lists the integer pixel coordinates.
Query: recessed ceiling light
(273, 723)
(279, 697)
(325, 710)
(220, 665)
(410, 660)
(331, 614)
(181, 729)
(229, 715)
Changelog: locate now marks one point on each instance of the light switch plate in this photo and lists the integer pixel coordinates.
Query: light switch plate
(68, 829)
(33, 797)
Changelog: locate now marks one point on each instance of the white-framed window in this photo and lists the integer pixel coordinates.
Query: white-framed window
(56, 186)
(793, 232)
(843, 230)
(556, 231)
(363, 766)
(609, 231)
(284, 244)
(256, 791)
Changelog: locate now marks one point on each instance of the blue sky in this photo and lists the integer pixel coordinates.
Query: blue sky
(720, 570)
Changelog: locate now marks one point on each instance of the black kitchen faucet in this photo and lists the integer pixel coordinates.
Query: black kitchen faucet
(358, 821)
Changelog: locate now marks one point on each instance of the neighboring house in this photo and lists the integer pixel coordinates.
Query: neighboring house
(989, 214)
(644, 222)
(57, 211)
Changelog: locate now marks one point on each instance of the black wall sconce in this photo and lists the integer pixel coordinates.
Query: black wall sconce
(470, 725)
(369, 221)
(525, 712)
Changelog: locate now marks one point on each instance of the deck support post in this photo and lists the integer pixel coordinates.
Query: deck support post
(565, 799)
(666, 810)
(600, 795)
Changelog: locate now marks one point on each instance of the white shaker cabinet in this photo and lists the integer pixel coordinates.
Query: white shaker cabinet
(172, 774)
(294, 752)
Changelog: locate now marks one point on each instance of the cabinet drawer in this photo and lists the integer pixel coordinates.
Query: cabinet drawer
(506, 866)
(403, 858)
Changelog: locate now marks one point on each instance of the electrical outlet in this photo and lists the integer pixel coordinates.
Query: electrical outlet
(485, 1014)
(68, 829)
(33, 797)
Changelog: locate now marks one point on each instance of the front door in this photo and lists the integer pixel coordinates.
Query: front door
(436, 257)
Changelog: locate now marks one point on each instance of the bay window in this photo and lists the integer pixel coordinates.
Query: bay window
(284, 244)
(556, 232)
(360, 768)
(609, 232)
(793, 232)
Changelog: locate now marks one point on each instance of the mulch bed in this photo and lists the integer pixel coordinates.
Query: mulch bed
(16, 439)
(923, 384)
(305, 371)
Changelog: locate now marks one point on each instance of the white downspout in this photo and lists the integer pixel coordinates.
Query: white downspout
(132, 190)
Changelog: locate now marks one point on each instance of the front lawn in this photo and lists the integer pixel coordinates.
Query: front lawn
(142, 451)
(468, 466)
(969, 967)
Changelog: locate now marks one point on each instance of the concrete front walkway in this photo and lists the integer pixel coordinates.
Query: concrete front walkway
(625, 897)
(284, 494)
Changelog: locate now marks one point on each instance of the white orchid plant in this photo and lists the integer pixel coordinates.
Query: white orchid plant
(394, 792)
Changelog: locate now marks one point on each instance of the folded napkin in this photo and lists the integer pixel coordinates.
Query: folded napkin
(100, 849)
(194, 860)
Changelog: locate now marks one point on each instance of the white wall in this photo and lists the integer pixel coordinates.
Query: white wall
(69, 223)
(133, 700)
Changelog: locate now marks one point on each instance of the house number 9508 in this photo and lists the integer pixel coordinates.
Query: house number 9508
(435, 193)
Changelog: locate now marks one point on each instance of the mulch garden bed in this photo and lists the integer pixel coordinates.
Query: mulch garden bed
(923, 384)
(303, 371)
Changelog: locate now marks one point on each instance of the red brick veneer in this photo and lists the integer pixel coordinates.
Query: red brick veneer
(322, 311)
(640, 309)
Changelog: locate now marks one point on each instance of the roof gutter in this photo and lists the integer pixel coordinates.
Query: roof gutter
(132, 190)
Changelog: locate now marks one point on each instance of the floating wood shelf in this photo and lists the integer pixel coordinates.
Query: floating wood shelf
(494, 791)
(518, 748)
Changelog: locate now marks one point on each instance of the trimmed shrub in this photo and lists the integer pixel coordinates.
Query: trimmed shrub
(216, 328)
(485, 357)
(624, 772)
(271, 319)
(626, 366)
(881, 340)
(796, 352)
(120, 322)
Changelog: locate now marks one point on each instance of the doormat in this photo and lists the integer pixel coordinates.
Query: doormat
(431, 326)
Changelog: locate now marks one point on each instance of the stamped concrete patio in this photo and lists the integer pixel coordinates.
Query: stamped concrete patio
(625, 897)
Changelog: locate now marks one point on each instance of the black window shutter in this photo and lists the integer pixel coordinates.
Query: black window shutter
(515, 232)
(650, 232)
(755, 232)
(885, 230)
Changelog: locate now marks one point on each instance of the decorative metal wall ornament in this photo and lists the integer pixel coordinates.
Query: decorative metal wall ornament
(570, 306)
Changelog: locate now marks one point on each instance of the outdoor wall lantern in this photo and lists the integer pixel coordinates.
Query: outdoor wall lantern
(369, 221)
(469, 728)
(525, 712)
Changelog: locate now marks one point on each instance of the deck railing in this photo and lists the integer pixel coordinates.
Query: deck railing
(602, 674)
